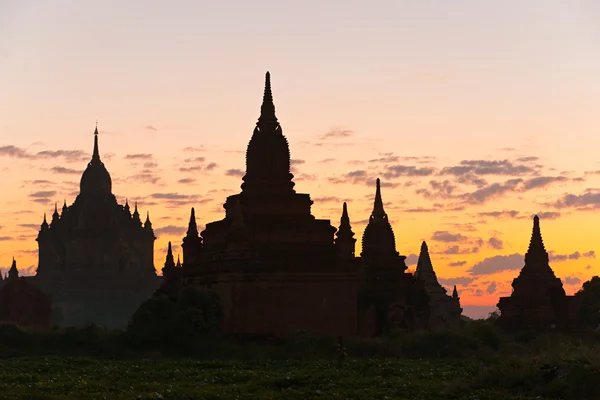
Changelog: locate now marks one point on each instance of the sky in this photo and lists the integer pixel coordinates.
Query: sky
(475, 115)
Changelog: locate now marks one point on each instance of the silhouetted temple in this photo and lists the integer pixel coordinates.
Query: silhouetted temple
(96, 257)
(445, 311)
(538, 300)
(277, 269)
(22, 303)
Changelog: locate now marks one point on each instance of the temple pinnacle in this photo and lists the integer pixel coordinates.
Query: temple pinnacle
(267, 109)
(96, 154)
(192, 228)
(345, 218)
(378, 210)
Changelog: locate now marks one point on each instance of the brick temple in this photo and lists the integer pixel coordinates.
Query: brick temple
(277, 269)
(538, 300)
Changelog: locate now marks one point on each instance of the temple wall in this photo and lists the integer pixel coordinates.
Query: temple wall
(267, 305)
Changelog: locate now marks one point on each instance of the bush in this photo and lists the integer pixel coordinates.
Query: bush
(175, 320)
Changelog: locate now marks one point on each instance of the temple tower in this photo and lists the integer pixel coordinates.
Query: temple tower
(444, 311)
(345, 241)
(192, 242)
(538, 300)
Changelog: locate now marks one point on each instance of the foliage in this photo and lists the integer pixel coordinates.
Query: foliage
(179, 319)
(88, 378)
(589, 303)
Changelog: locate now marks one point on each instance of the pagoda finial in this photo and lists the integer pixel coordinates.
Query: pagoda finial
(267, 109)
(455, 293)
(44, 222)
(96, 154)
(178, 262)
(345, 218)
(536, 252)
(13, 272)
(192, 227)
(424, 268)
(378, 210)
(169, 261)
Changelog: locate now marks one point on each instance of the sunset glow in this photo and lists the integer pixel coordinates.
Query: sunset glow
(475, 119)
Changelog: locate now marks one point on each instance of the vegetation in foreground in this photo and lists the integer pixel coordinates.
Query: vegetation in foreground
(187, 358)
(88, 378)
(476, 363)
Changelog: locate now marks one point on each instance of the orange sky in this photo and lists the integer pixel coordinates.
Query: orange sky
(475, 118)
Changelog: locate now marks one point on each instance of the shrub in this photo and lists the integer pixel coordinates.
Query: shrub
(175, 320)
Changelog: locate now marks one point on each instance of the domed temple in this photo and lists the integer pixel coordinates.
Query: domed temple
(96, 258)
(277, 269)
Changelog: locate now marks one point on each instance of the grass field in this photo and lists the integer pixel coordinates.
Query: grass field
(92, 378)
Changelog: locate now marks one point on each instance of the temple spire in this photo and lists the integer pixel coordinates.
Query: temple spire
(178, 262)
(96, 154)
(455, 293)
(44, 222)
(536, 254)
(267, 109)
(378, 210)
(192, 227)
(344, 240)
(147, 223)
(55, 216)
(13, 272)
(64, 207)
(136, 214)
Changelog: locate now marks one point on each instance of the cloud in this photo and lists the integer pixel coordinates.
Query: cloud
(30, 226)
(138, 156)
(457, 263)
(500, 214)
(151, 128)
(195, 160)
(327, 160)
(66, 171)
(487, 167)
(68, 155)
(297, 162)
(336, 133)
(330, 199)
(439, 190)
(6, 238)
(144, 176)
(186, 180)
(150, 164)
(235, 172)
(15, 152)
(491, 289)
(572, 280)
(177, 199)
(492, 191)
(193, 149)
(527, 159)
(461, 280)
(542, 181)
(412, 259)
(396, 171)
(573, 256)
(586, 199)
(447, 237)
(170, 230)
(457, 250)
(211, 166)
(43, 193)
(492, 265)
(495, 243)
(548, 215)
